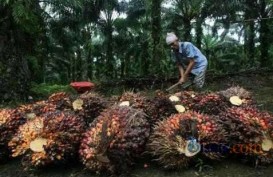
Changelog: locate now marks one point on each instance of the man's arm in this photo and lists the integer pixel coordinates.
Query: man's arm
(184, 75)
(181, 69)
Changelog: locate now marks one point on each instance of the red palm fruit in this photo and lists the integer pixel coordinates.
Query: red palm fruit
(242, 93)
(159, 108)
(10, 120)
(115, 137)
(89, 105)
(249, 126)
(136, 100)
(49, 139)
(169, 138)
(36, 109)
(187, 98)
(62, 101)
(156, 108)
(208, 103)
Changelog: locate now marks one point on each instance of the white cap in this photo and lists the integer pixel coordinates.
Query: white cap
(171, 37)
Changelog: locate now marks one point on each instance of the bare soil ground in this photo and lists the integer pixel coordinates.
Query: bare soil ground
(226, 168)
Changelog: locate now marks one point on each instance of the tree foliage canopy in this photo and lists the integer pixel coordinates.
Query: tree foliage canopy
(60, 41)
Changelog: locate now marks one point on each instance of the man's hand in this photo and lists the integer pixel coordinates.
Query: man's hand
(183, 79)
(184, 75)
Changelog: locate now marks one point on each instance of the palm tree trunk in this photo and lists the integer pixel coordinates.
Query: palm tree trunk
(109, 52)
(249, 33)
(264, 36)
(156, 30)
(187, 29)
(79, 66)
(89, 61)
(16, 45)
(199, 32)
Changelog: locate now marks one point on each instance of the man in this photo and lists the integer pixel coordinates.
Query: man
(192, 64)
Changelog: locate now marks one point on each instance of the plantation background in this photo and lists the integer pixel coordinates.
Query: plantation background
(45, 45)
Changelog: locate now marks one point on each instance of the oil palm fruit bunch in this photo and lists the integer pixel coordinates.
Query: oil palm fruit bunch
(238, 96)
(208, 103)
(114, 99)
(114, 139)
(159, 108)
(187, 98)
(176, 141)
(135, 100)
(48, 139)
(89, 105)
(184, 101)
(250, 132)
(36, 109)
(156, 108)
(10, 120)
(62, 100)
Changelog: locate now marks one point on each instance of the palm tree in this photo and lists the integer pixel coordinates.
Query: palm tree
(266, 8)
(20, 29)
(250, 15)
(156, 30)
(222, 54)
(105, 23)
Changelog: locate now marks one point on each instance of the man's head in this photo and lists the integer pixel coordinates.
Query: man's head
(172, 41)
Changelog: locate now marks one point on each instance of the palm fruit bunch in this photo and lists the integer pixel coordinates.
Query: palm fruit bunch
(176, 141)
(10, 120)
(89, 105)
(159, 108)
(114, 139)
(250, 132)
(238, 96)
(183, 101)
(207, 103)
(135, 100)
(187, 98)
(36, 109)
(62, 101)
(48, 139)
(114, 99)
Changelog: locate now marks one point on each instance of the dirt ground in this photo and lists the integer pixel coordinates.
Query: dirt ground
(262, 88)
(226, 168)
